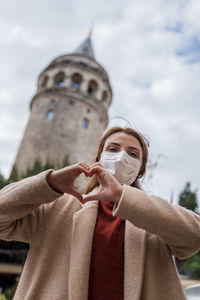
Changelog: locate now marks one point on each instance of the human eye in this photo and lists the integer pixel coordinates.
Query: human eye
(112, 148)
(133, 154)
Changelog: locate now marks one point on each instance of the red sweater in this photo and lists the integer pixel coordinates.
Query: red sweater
(107, 260)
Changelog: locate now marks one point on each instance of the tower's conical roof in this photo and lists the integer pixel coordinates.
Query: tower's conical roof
(86, 48)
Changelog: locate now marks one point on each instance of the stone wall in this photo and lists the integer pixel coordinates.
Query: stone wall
(63, 120)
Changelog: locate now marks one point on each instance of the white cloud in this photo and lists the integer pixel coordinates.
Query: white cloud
(150, 50)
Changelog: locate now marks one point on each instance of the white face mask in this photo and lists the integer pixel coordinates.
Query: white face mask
(121, 165)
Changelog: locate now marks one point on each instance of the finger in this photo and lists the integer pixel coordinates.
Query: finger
(96, 164)
(84, 165)
(100, 173)
(96, 170)
(90, 197)
(76, 194)
(81, 169)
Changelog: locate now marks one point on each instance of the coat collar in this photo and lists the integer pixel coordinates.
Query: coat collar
(84, 222)
(134, 258)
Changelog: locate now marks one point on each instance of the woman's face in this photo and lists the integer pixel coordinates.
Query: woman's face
(121, 141)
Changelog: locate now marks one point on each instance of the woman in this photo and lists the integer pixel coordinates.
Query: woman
(114, 242)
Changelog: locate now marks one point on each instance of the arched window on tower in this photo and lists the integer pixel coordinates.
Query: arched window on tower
(44, 81)
(85, 123)
(59, 79)
(104, 96)
(50, 115)
(76, 81)
(71, 103)
(92, 87)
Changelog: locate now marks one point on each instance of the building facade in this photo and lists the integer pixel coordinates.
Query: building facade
(68, 113)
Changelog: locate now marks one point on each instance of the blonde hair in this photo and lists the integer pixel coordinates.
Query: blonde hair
(144, 145)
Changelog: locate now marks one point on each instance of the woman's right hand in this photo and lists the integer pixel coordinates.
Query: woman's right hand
(62, 181)
(109, 188)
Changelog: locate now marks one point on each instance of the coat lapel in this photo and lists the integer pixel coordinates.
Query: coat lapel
(134, 258)
(81, 248)
(84, 222)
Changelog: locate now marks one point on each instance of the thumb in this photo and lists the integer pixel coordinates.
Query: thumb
(90, 197)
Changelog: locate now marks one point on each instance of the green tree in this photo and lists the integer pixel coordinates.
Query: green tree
(36, 169)
(188, 199)
(190, 266)
(65, 161)
(193, 265)
(9, 293)
(48, 165)
(3, 181)
(13, 175)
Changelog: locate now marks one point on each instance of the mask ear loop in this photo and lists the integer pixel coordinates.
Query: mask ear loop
(140, 172)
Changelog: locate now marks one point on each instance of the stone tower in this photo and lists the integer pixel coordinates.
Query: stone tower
(68, 112)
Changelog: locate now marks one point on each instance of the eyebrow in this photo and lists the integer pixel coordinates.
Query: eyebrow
(130, 148)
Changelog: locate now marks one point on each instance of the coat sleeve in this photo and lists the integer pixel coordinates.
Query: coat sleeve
(23, 205)
(176, 226)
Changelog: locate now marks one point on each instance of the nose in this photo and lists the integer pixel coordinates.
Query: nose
(123, 148)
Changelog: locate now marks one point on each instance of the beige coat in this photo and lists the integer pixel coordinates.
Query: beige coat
(60, 231)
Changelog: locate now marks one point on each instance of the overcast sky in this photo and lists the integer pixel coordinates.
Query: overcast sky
(151, 51)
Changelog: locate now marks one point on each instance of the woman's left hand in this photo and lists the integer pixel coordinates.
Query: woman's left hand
(109, 188)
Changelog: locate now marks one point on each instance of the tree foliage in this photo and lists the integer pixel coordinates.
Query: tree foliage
(188, 199)
(190, 266)
(3, 181)
(13, 175)
(193, 265)
(37, 168)
(9, 293)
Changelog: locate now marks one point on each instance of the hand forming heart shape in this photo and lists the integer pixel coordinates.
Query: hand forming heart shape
(62, 181)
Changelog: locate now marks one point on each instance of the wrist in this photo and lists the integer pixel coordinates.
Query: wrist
(118, 193)
(51, 182)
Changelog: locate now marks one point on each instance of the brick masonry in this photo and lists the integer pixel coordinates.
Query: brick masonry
(77, 118)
